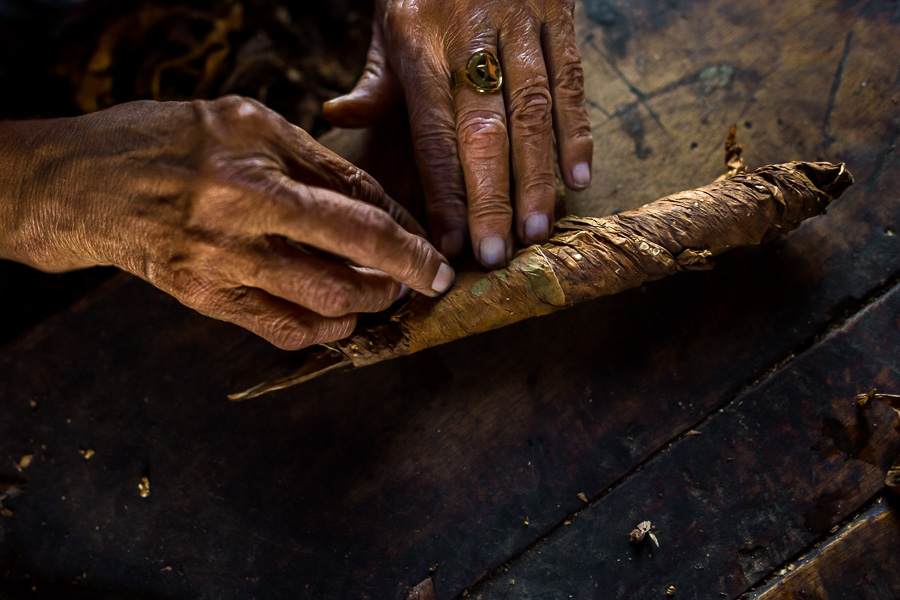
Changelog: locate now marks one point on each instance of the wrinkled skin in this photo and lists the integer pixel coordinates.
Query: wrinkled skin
(486, 160)
(222, 204)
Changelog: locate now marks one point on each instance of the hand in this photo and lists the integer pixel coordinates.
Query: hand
(222, 204)
(463, 138)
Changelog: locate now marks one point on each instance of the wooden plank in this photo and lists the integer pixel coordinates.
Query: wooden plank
(356, 485)
(665, 80)
(33, 296)
(861, 561)
(781, 465)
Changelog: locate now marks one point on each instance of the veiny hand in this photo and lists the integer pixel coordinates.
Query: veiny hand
(222, 204)
(472, 147)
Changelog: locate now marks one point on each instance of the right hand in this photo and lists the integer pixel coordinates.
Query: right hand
(486, 160)
(222, 204)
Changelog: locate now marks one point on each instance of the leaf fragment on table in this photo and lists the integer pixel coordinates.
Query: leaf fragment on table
(144, 487)
(423, 591)
(642, 530)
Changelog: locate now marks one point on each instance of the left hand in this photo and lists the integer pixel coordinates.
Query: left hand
(486, 159)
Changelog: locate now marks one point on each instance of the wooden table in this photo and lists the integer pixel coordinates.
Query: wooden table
(719, 406)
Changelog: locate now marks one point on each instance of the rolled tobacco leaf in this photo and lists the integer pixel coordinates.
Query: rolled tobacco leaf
(591, 257)
(892, 477)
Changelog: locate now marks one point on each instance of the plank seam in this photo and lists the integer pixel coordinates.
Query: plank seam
(829, 329)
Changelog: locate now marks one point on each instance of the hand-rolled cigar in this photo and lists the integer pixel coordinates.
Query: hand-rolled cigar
(591, 257)
(864, 401)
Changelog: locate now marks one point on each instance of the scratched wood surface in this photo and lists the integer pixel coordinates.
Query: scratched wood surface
(860, 561)
(760, 481)
(453, 462)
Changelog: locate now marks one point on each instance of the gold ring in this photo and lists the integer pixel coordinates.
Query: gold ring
(482, 73)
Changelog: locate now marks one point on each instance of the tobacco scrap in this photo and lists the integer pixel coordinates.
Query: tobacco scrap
(642, 530)
(733, 160)
(423, 591)
(8, 491)
(892, 477)
(144, 487)
(591, 257)
(181, 51)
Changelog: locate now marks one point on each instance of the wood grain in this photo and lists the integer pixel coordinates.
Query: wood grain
(765, 477)
(356, 485)
(860, 561)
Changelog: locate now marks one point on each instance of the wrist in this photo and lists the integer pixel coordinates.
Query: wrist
(39, 223)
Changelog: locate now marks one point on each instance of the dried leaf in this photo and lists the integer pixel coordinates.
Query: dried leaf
(638, 533)
(733, 160)
(892, 478)
(423, 591)
(864, 401)
(591, 257)
(144, 487)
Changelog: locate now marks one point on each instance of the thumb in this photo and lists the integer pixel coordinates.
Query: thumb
(376, 93)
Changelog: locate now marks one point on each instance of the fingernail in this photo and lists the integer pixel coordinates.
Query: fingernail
(492, 251)
(452, 244)
(581, 175)
(404, 292)
(537, 228)
(332, 104)
(444, 279)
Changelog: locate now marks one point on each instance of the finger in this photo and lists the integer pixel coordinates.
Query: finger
(281, 323)
(311, 163)
(433, 130)
(528, 106)
(570, 119)
(484, 153)
(327, 288)
(355, 230)
(376, 93)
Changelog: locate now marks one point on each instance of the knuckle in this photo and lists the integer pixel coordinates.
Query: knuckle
(285, 332)
(361, 185)
(436, 146)
(330, 330)
(366, 231)
(241, 110)
(567, 7)
(401, 16)
(580, 131)
(449, 208)
(570, 79)
(479, 128)
(531, 106)
(403, 27)
(413, 270)
(240, 105)
(336, 298)
(197, 292)
(492, 208)
(564, 9)
(539, 187)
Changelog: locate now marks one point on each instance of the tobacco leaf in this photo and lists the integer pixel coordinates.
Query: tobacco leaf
(733, 160)
(589, 257)
(423, 591)
(892, 477)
